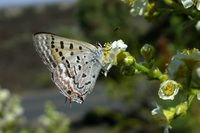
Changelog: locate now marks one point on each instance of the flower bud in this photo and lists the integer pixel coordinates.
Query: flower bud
(129, 60)
(181, 109)
(148, 52)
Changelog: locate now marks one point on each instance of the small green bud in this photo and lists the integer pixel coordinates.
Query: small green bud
(163, 77)
(118, 61)
(129, 70)
(181, 109)
(148, 52)
(169, 114)
(129, 60)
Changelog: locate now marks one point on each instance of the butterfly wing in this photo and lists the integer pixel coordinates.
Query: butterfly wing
(76, 81)
(53, 48)
(74, 65)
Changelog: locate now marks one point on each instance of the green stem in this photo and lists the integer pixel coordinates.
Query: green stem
(179, 9)
(194, 91)
(189, 77)
(172, 3)
(191, 97)
(142, 68)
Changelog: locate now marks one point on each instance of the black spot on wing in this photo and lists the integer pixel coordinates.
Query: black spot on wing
(78, 57)
(89, 82)
(63, 58)
(52, 37)
(69, 92)
(61, 45)
(68, 74)
(84, 75)
(71, 46)
(60, 53)
(68, 65)
(79, 67)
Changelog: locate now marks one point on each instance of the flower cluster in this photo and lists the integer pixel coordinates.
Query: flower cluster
(11, 110)
(138, 6)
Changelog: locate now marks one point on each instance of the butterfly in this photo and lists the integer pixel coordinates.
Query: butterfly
(74, 65)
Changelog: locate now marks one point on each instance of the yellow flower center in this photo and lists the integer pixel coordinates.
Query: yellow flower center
(106, 51)
(191, 51)
(160, 120)
(168, 89)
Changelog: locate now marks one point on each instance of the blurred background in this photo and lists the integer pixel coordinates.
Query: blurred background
(118, 104)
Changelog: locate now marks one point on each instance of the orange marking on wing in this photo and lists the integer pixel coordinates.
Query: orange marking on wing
(72, 93)
(53, 51)
(55, 54)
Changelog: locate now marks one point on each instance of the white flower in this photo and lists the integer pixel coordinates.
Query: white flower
(111, 52)
(189, 3)
(187, 58)
(139, 7)
(198, 96)
(4, 94)
(168, 90)
(197, 26)
(160, 118)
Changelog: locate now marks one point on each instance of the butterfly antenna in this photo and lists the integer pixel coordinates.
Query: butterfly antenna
(116, 29)
(106, 36)
(112, 32)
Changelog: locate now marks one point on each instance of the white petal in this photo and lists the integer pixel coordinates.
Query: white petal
(187, 3)
(197, 26)
(198, 6)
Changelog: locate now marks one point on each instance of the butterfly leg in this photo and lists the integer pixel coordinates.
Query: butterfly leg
(65, 99)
